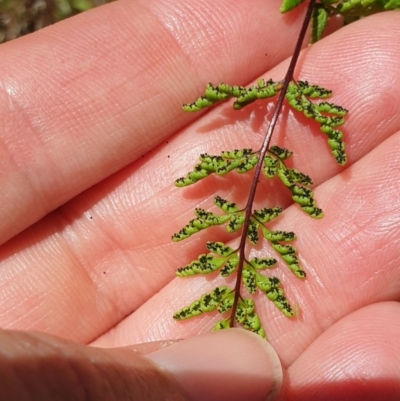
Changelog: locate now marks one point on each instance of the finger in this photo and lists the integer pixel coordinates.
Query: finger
(114, 91)
(38, 367)
(34, 366)
(232, 365)
(353, 360)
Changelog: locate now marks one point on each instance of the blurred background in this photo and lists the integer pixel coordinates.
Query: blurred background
(20, 17)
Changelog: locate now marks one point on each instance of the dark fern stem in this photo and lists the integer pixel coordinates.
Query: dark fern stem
(267, 140)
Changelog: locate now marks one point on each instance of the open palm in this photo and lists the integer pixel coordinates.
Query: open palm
(93, 137)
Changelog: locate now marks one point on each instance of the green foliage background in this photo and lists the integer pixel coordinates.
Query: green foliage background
(20, 17)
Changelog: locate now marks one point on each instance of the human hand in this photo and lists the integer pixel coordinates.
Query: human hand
(99, 268)
(34, 366)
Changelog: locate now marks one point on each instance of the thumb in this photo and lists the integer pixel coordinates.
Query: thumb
(38, 367)
(232, 365)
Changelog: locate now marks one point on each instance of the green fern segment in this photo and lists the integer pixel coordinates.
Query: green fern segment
(207, 303)
(205, 219)
(278, 235)
(244, 96)
(288, 5)
(245, 315)
(249, 279)
(241, 161)
(328, 115)
(391, 4)
(226, 206)
(196, 225)
(277, 296)
(219, 248)
(230, 266)
(253, 280)
(289, 177)
(252, 232)
(278, 240)
(270, 166)
(311, 91)
(319, 20)
(206, 263)
(288, 254)
(267, 214)
(262, 263)
(222, 325)
(266, 284)
(294, 180)
(282, 153)
(359, 7)
(226, 303)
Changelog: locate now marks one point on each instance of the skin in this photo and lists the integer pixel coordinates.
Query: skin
(93, 137)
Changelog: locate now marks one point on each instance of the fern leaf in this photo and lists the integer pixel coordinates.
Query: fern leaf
(267, 214)
(319, 20)
(219, 248)
(262, 263)
(207, 303)
(249, 279)
(288, 5)
(299, 96)
(230, 266)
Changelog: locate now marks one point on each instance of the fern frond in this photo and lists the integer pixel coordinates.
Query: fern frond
(304, 98)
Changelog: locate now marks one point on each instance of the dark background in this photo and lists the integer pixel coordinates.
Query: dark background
(20, 17)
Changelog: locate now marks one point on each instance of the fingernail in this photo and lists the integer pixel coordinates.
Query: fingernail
(232, 365)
